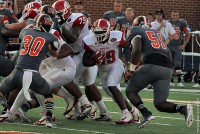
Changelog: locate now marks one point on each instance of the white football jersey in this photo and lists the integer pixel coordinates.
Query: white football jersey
(109, 48)
(77, 20)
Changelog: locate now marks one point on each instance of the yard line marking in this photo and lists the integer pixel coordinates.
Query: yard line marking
(170, 125)
(70, 129)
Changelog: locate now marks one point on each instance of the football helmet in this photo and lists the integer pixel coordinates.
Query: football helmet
(140, 21)
(43, 22)
(62, 9)
(32, 5)
(101, 29)
(46, 9)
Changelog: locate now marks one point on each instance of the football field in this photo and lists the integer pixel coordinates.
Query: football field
(164, 123)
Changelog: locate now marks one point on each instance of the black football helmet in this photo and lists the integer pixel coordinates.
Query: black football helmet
(43, 22)
(47, 9)
(140, 21)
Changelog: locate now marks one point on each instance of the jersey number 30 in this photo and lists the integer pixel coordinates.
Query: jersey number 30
(155, 42)
(33, 49)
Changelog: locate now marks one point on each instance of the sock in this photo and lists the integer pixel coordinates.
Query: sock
(93, 103)
(179, 78)
(19, 101)
(179, 109)
(65, 95)
(77, 108)
(26, 106)
(48, 103)
(83, 100)
(140, 106)
(102, 107)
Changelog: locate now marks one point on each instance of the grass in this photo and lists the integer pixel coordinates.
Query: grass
(165, 123)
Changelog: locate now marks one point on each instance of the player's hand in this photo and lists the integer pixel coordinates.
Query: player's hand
(162, 23)
(99, 57)
(128, 75)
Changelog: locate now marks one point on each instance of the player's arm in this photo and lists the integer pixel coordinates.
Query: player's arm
(136, 45)
(9, 32)
(88, 59)
(64, 51)
(71, 36)
(187, 37)
(16, 26)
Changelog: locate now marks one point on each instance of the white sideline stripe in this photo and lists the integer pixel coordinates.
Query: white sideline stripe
(70, 129)
(185, 90)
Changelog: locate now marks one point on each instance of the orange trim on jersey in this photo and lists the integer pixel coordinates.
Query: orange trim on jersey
(185, 30)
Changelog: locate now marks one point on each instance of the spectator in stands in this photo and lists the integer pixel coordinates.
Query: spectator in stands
(122, 24)
(150, 18)
(79, 8)
(163, 26)
(112, 16)
(19, 15)
(177, 45)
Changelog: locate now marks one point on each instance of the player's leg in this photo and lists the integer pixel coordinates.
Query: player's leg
(161, 92)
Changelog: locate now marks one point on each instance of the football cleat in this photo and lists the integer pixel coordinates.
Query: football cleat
(93, 114)
(180, 84)
(43, 120)
(6, 117)
(73, 117)
(147, 118)
(50, 123)
(196, 85)
(135, 113)
(125, 118)
(104, 117)
(188, 115)
(23, 116)
(70, 106)
(86, 109)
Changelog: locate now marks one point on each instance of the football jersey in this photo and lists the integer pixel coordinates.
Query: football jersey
(109, 48)
(34, 47)
(180, 27)
(152, 41)
(10, 18)
(112, 17)
(124, 24)
(77, 20)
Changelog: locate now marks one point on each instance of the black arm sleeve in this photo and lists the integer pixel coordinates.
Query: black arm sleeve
(87, 61)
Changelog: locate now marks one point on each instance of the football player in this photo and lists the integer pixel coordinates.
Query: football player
(73, 27)
(102, 48)
(156, 69)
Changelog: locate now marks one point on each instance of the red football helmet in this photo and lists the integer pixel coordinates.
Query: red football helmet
(101, 28)
(140, 21)
(32, 5)
(62, 8)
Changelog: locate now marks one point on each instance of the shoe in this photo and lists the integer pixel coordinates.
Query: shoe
(125, 118)
(70, 106)
(43, 120)
(93, 114)
(171, 84)
(23, 116)
(104, 117)
(188, 112)
(196, 85)
(180, 84)
(86, 109)
(148, 117)
(50, 123)
(135, 112)
(6, 117)
(73, 116)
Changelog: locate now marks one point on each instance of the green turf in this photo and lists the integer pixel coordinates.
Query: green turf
(165, 123)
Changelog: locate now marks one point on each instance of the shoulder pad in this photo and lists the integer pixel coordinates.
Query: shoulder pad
(115, 36)
(90, 39)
